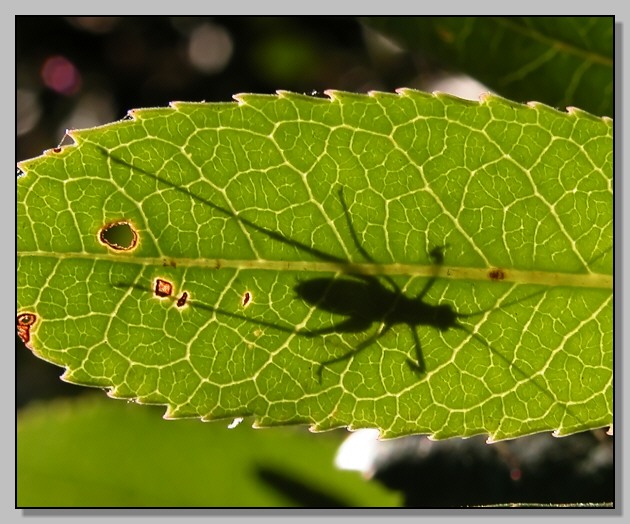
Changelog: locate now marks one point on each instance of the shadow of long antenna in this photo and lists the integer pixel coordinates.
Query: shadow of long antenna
(274, 235)
(344, 266)
(526, 376)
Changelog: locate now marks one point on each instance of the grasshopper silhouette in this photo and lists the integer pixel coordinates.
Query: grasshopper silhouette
(364, 299)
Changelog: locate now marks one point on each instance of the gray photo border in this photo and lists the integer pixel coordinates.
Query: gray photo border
(287, 7)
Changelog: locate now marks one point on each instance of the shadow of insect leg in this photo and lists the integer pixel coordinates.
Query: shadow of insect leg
(355, 240)
(426, 288)
(353, 232)
(366, 343)
(419, 366)
(351, 325)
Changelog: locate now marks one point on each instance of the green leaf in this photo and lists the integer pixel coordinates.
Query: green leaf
(414, 263)
(112, 454)
(561, 61)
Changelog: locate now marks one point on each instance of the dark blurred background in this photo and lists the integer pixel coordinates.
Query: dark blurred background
(77, 72)
(74, 72)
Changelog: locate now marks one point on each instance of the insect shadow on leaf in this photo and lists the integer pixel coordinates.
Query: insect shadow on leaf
(368, 299)
(364, 299)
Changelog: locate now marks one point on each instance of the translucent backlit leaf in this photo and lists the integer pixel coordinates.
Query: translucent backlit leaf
(410, 262)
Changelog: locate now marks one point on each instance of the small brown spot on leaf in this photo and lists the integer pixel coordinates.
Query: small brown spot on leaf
(56, 150)
(247, 298)
(496, 274)
(181, 301)
(119, 235)
(24, 323)
(163, 288)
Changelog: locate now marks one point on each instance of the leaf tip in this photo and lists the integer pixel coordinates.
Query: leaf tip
(412, 93)
(487, 97)
(580, 113)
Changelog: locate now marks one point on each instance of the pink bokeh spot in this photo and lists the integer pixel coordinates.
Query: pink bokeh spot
(59, 74)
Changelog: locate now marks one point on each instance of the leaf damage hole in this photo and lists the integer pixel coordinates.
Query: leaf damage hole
(163, 288)
(24, 323)
(181, 301)
(119, 235)
(247, 298)
(496, 274)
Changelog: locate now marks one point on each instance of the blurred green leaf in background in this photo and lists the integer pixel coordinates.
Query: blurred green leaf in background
(560, 61)
(94, 452)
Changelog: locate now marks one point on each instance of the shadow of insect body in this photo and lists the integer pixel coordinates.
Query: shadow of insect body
(365, 300)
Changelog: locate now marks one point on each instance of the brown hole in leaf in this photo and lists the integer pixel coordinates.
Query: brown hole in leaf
(163, 288)
(496, 274)
(247, 298)
(119, 235)
(24, 323)
(182, 300)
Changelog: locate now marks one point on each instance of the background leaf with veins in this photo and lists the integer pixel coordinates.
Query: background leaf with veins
(562, 62)
(239, 200)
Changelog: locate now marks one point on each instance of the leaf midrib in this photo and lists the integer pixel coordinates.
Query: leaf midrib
(546, 278)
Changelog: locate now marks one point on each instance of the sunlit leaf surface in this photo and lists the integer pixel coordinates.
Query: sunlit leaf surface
(414, 263)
